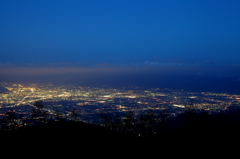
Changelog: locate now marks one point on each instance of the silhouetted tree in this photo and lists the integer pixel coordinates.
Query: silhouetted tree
(190, 107)
(222, 118)
(9, 121)
(129, 122)
(145, 123)
(150, 121)
(106, 119)
(203, 118)
(163, 116)
(59, 116)
(117, 123)
(142, 127)
(39, 115)
(74, 115)
(190, 113)
(161, 120)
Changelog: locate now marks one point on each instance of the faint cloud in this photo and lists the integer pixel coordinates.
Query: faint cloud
(151, 63)
(177, 60)
(156, 63)
(102, 64)
(208, 62)
(61, 64)
(172, 63)
(32, 64)
(5, 63)
(200, 74)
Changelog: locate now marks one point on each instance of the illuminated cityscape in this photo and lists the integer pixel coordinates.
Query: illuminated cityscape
(131, 75)
(89, 102)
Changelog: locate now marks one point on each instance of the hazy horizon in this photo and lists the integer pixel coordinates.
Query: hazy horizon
(223, 79)
(181, 44)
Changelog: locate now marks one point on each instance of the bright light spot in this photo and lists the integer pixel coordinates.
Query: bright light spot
(180, 106)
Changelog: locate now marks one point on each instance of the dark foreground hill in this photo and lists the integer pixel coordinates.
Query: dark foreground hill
(69, 132)
(64, 132)
(202, 136)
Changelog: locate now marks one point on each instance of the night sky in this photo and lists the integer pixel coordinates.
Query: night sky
(175, 36)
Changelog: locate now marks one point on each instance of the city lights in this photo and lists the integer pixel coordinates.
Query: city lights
(89, 102)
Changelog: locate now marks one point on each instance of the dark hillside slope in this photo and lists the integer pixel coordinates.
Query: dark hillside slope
(60, 133)
(65, 132)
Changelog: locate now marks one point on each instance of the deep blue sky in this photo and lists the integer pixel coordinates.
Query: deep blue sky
(191, 44)
(119, 32)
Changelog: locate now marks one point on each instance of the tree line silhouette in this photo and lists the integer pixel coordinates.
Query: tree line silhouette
(134, 124)
(151, 123)
(141, 125)
(38, 116)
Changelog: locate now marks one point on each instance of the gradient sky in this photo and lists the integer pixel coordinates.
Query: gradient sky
(119, 32)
